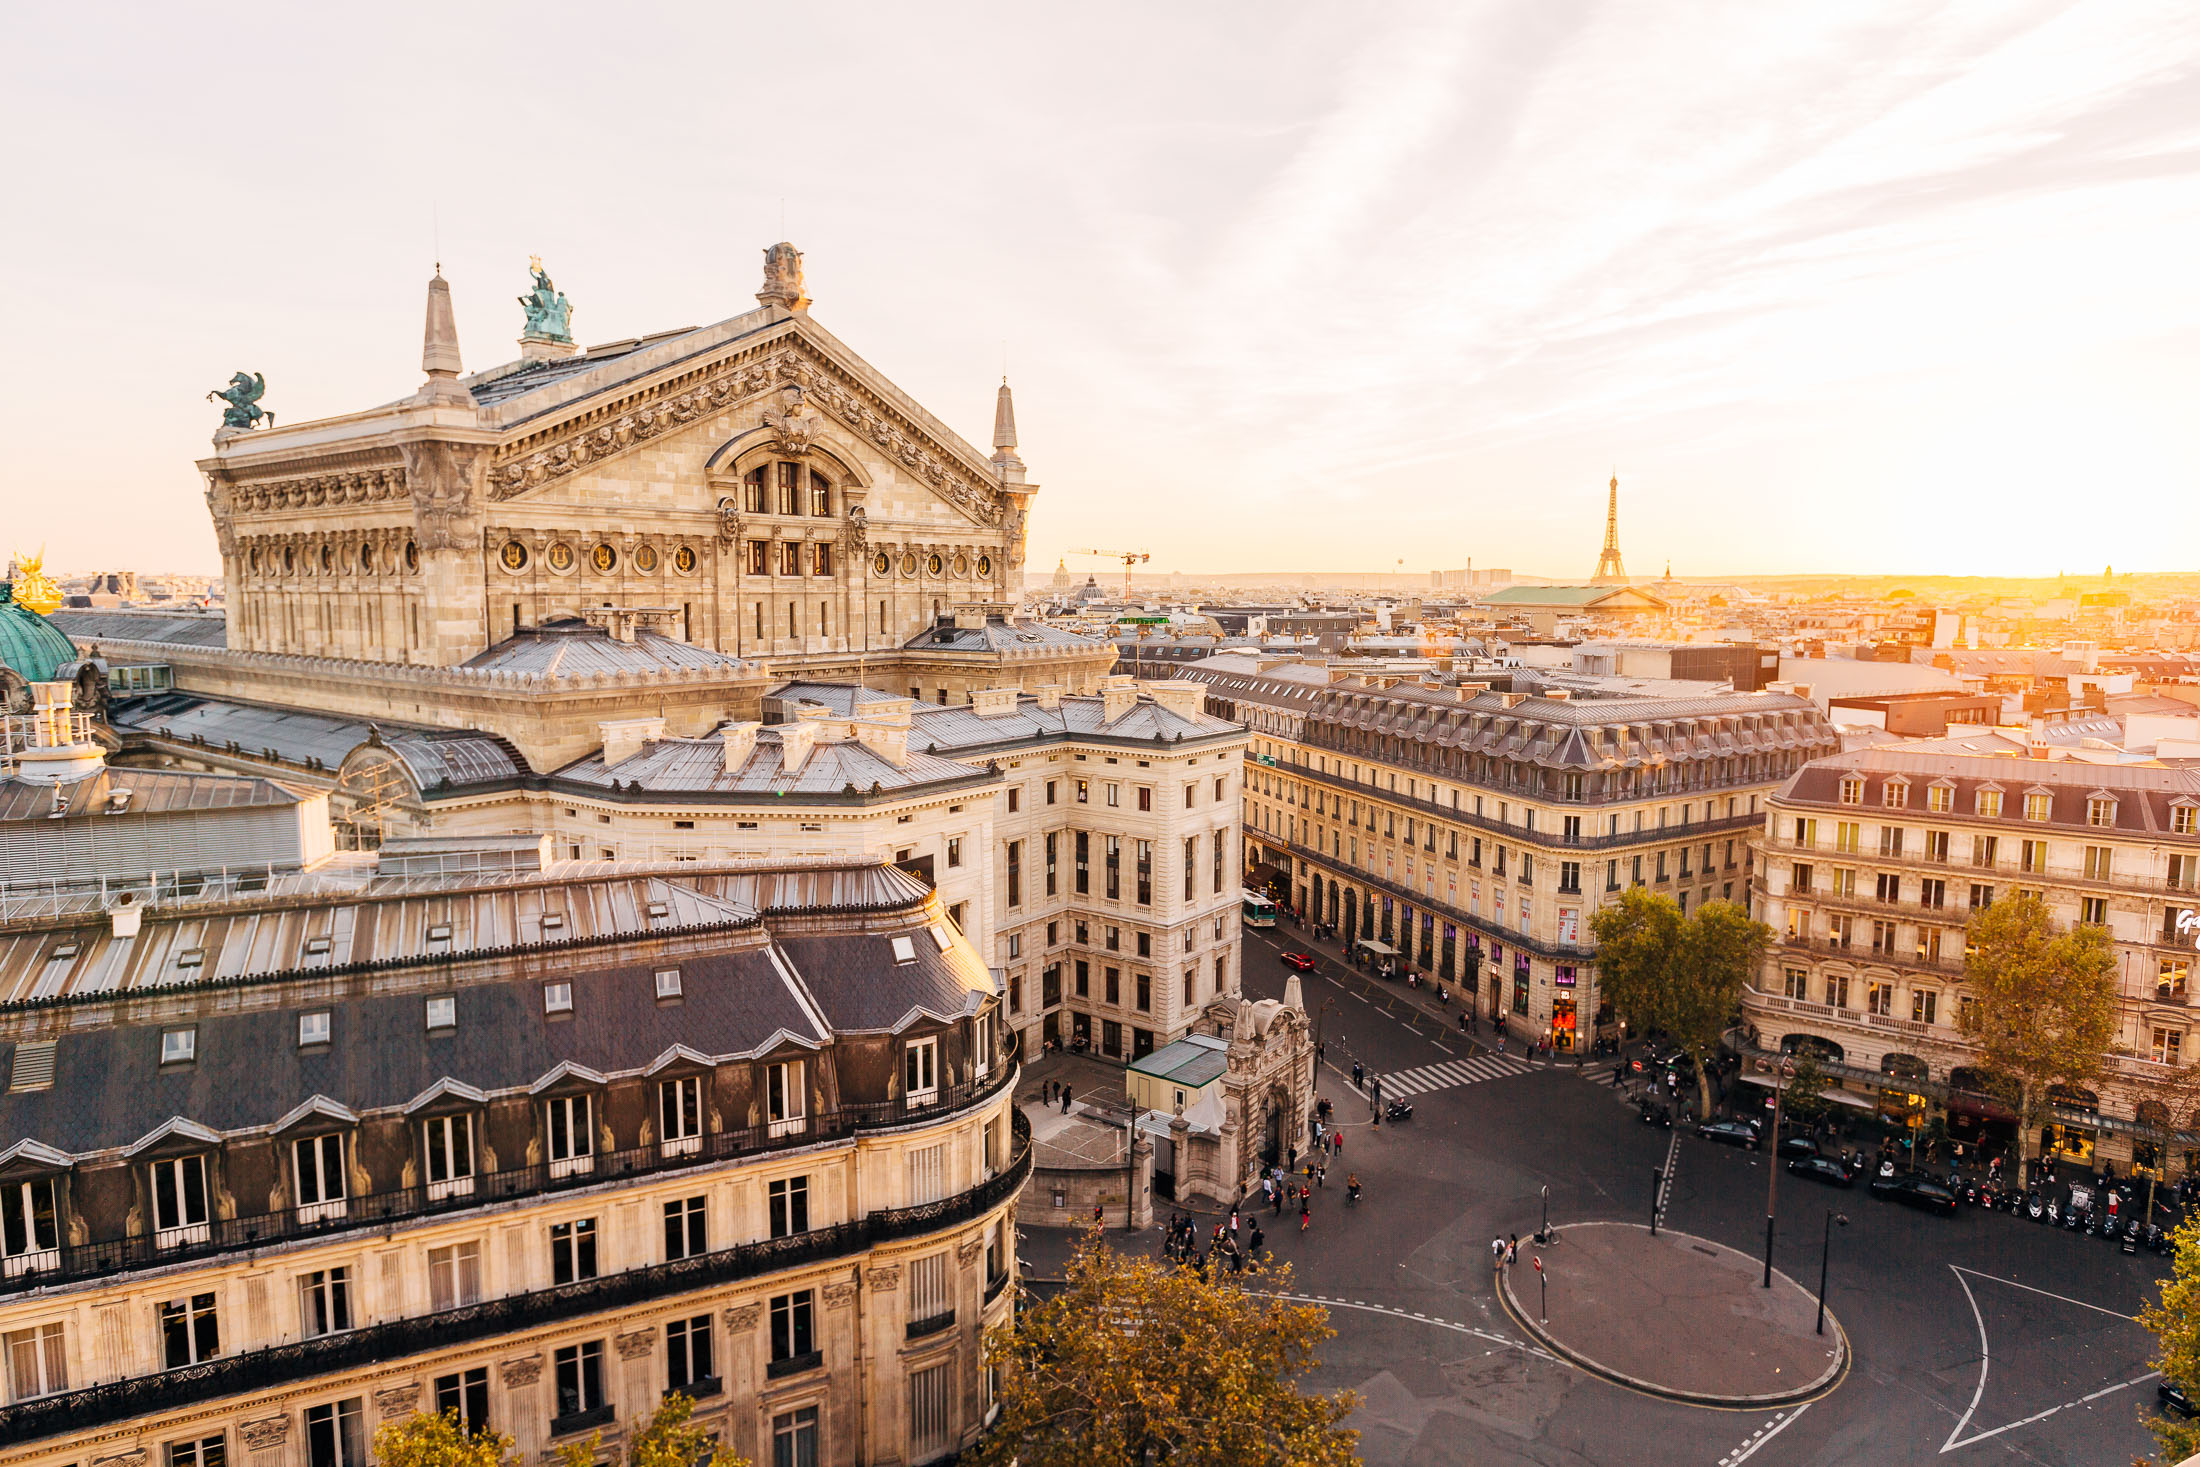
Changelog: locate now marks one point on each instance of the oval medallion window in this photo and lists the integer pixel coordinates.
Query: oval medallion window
(932, 565)
(645, 559)
(412, 555)
(514, 556)
(985, 566)
(908, 564)
(604, 559)
(882, 563)
(366, 559)
(962, 565)
(290, 559)
(560, 556)
(683, 560)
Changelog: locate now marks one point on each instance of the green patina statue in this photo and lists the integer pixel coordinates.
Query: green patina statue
(243, 396)
(549, 314)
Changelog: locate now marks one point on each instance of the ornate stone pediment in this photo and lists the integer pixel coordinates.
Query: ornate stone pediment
(824, 390)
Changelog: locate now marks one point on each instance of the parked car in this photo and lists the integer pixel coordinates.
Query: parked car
(1796, 1147)
(1821, 1169)
(1915, 1191)
(1301, 961)
(2171, 1397)
(1732, 1133)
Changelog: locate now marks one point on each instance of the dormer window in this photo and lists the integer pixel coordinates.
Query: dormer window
(1989, 804)
(786, 1101)
(179, 1046)
(680, 1115)
(2181, 820)
(1852, 791)
(1940, 798)
(179, 1201)
(1895, 794)
(30, 1227)
(447, 1148)
(668, 983)
(557, 998)
(442, 1013)
(2039, 805)
(323, 1186)
(905, 951)
(2100, 810)
(313, 1029)
(920, 1072)
(567, 1125)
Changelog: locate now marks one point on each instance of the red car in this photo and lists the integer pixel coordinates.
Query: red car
(1304, 962)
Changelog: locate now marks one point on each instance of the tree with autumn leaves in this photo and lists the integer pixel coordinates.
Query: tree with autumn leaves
(1137, 1361)
(669, 1440)
(2044, 1005)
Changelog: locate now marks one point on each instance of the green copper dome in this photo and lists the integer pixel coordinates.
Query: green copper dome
(30, 644)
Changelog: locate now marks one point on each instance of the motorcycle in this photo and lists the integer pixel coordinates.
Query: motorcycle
(1398, 1110)
(2033, 1208)
(1653, 1115)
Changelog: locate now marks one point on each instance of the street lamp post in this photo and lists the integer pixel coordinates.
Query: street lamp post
(1657, 1180)
(1543, 1235)
(1825, 1253)
(1772, 1159)
(1130, 1172)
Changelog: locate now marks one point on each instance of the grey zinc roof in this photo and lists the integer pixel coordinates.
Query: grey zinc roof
(150, 791)
(573, 648)
(962, 727)
(184, 628)
(250, 1071)
(1191, 1061)
(298, 736)
(697, 766)
(861, 987)
(999, 636)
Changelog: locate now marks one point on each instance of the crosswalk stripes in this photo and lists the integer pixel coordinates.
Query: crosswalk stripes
(1452, 1074)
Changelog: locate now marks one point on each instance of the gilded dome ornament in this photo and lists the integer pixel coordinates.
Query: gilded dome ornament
(33, 587)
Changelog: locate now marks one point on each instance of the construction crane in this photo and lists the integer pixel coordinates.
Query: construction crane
(1129, 559)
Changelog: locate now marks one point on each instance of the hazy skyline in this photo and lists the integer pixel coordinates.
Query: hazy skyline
(1883, 288)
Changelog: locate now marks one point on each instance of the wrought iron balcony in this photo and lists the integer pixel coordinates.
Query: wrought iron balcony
(375, 1210)
(374, 1344)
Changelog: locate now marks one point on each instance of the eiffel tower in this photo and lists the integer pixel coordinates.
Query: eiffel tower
(1611, 571)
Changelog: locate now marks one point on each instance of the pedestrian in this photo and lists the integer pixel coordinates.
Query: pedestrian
(1512, 1249)
(1291, 1160)
(1321, 1174)
(1065, 1100)
(1336, 1143)
(1275, 1195)
(1255, 1241)
(1497, 1252)
(1359, 1076)
(1306, 1210)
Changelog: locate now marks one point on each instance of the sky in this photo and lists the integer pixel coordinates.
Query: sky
(1880, 288)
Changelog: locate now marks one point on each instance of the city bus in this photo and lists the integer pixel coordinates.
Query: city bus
(1259, 911)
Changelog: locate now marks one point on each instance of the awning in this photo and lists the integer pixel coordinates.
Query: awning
(1961, 1104)
(1830, 1094)
(1380, 949)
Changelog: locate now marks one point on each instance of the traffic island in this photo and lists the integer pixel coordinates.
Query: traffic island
(1674, 1316)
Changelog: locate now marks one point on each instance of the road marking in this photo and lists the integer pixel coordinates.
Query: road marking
(1985, 1363)
(2064, 1298)
(1449, 1074)
(1764, 1434)
(1451, 1324)
(1665, 1183)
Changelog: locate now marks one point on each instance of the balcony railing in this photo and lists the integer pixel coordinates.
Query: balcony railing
(378, 1344)
(931, 1324)
(378, 1209)
(1663, 835)
(1346, 871)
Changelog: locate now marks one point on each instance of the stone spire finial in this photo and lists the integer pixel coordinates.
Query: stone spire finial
(439, 346)
(1004, 435)
(1293, 995)
(783, 278)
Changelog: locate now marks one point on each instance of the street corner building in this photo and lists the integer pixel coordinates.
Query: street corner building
(292, 1158)
(1873, 863)
(1468, 830)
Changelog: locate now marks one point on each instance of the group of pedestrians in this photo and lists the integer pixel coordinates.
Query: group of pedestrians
(1504, 1250)
(1234, 1244)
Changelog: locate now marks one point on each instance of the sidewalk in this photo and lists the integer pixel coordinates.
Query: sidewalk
(1421, 1001)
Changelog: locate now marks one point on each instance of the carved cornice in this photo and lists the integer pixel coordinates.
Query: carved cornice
(853, 406)
(365, 486)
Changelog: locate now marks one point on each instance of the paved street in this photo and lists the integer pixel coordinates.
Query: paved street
(1978, 1338)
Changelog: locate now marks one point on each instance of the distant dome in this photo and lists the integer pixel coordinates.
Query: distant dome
(31, 646)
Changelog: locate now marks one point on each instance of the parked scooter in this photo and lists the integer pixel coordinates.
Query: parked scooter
(1652, 1113)
(1398, 1110)
(2033, 1207)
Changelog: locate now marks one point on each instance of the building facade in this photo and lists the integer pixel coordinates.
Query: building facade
(1872, 863)
(1473, 831)
(536, 1147)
